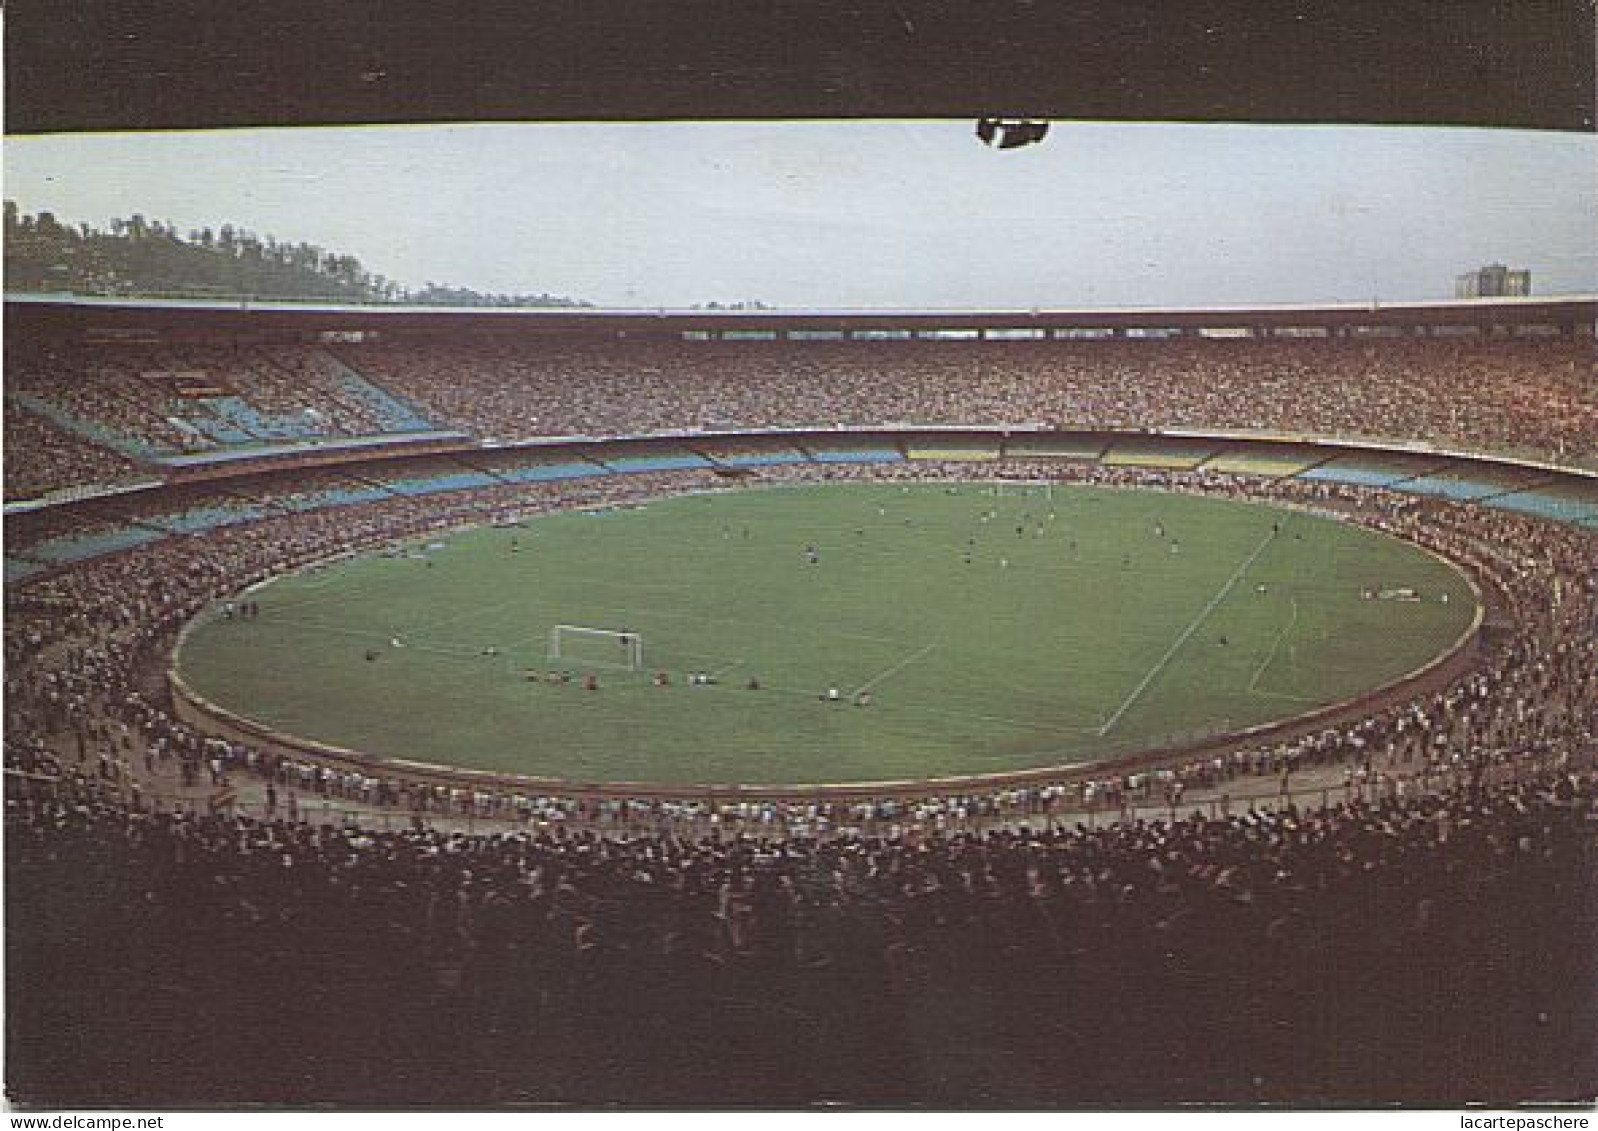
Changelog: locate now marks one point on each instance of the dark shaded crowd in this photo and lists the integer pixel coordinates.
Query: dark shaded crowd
(1430, 950)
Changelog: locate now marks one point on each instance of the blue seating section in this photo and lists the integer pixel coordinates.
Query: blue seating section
(309, 501)
(857, 455)
(763, 459)
(17, 569)
(245, 418)
(1357, 476)
(342, 496)
(1558, 507)
(82, 547)
(332, 497)
(432, 484)
(394, 415)
(225, 420)
(201, 519)
(1450, 487)
(629, 464)
(543, 473)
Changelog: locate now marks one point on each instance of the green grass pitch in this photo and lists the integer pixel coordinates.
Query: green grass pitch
(993, 629)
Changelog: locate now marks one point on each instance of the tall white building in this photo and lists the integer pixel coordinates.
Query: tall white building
(1493, 281)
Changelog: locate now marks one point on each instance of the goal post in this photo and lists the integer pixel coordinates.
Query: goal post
(1003, 488)
(595, 647)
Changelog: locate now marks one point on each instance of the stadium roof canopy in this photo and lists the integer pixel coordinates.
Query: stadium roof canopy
(71, 315)
(77, 65)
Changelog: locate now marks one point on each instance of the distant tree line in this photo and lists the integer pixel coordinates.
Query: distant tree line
(151, 257)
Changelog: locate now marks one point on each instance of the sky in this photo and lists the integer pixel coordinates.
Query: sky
(868, 214)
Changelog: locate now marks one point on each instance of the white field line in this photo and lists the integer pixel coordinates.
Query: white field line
(1176, 645)
(1292, 619)
(894, 670)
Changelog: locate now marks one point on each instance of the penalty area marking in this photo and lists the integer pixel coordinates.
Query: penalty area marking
(1204, 615)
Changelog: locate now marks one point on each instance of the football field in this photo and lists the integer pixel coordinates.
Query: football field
(964, 628)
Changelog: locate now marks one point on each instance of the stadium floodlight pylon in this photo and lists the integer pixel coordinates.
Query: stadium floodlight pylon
(628, 653)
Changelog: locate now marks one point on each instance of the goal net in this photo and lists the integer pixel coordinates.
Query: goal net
(1023, 488)
(595, 647)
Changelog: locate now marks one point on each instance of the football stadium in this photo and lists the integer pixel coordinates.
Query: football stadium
(421, 697)
(1013, 663)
